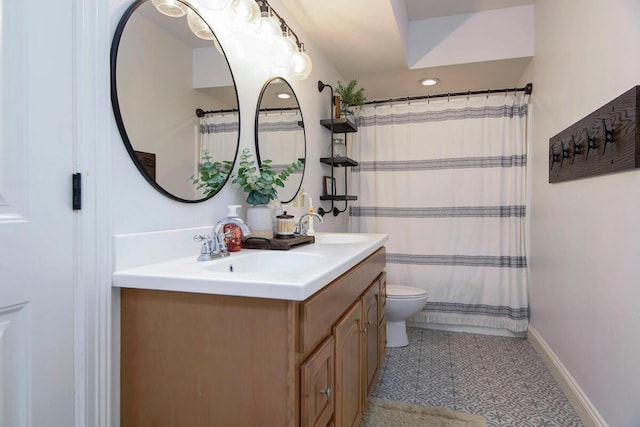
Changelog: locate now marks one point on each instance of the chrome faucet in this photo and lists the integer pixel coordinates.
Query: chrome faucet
(219, 247)
(302, 229)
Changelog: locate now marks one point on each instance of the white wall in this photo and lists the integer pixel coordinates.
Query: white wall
(585, 244)
(471, 37)
(138, 207)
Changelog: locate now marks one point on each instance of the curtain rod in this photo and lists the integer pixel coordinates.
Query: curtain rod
(528, 89)
(201, 113)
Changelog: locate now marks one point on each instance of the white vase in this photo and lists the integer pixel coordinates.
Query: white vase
(259, 220)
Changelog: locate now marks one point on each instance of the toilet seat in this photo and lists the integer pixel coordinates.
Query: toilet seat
(405, 292)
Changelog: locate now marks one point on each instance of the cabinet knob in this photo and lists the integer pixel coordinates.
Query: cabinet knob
(325, 391)
(368, 322)
(363, 330)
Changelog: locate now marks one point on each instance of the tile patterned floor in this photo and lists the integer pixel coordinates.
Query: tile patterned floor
(502, 379)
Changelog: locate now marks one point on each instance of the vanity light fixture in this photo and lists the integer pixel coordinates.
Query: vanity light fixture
(257, 17)
(288, 52)
(172, 8)
(429, 81)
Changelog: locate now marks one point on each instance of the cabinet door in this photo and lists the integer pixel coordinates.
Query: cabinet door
(348, 334)
(371, 334)
(317, 386)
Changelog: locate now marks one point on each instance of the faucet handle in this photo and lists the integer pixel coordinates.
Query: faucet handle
(206, 250)
(202, 237)
(222, 243)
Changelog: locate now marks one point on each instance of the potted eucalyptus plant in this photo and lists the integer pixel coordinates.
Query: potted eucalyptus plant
(350, 96)
(260, 182)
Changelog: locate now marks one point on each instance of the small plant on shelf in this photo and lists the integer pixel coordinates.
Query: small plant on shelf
(349, 96)
(213, 175)
(261, 181)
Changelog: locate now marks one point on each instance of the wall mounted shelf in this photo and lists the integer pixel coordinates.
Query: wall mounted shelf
(341, 125)
(338, 161)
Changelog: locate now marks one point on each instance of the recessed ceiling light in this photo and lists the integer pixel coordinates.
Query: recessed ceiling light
(283, 95)
(430, 81)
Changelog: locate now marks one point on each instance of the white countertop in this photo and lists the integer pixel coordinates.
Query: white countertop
(290, 275)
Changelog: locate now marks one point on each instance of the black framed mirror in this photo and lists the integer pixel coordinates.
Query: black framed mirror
(166, 64)
(280, 134)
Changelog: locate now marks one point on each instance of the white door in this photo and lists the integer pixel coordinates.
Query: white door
(36, 218)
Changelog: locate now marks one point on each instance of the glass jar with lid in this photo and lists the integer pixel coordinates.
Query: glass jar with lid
(339, 148)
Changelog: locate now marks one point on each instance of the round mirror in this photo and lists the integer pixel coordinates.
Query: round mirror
(166, 64)
(280, 135)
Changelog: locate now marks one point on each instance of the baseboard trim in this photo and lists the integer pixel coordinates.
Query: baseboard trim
(580, 402)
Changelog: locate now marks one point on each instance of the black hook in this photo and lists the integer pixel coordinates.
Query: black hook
(565, 153)
(608, 135)
(555, 157)
(591, 142)
(577, 149)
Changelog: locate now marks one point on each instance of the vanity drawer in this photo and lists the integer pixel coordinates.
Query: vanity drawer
(321, 311)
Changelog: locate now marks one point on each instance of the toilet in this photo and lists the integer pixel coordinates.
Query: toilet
(402, 303)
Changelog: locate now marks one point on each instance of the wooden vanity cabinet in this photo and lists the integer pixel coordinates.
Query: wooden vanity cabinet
(191, 359)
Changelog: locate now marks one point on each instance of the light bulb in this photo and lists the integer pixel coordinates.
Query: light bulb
(172, 8)
(283, 48)
(198, 26)
(215, 4)
(243, 13)
(300, 65)
(269, 28)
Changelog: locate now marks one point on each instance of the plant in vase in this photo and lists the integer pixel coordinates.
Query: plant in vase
(349, 96)
(213, 175)
(260, 182)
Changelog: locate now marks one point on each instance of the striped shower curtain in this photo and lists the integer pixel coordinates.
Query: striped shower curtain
(446, 181)
(218, 134)
(281, 139)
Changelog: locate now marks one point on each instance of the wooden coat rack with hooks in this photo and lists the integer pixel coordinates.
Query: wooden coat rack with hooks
(605, 141)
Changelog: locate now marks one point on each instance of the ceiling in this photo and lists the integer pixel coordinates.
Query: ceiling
(366, 41)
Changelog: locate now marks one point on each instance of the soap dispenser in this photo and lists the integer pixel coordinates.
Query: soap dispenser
(232, 232)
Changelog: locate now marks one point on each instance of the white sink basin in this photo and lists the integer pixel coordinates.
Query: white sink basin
(292, 275)
(264, 262)
(339, 238)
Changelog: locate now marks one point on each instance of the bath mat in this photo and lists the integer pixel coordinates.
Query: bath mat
(388, 413)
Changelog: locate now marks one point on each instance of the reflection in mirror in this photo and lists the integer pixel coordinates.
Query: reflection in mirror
(280, 135)
(164, 68)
